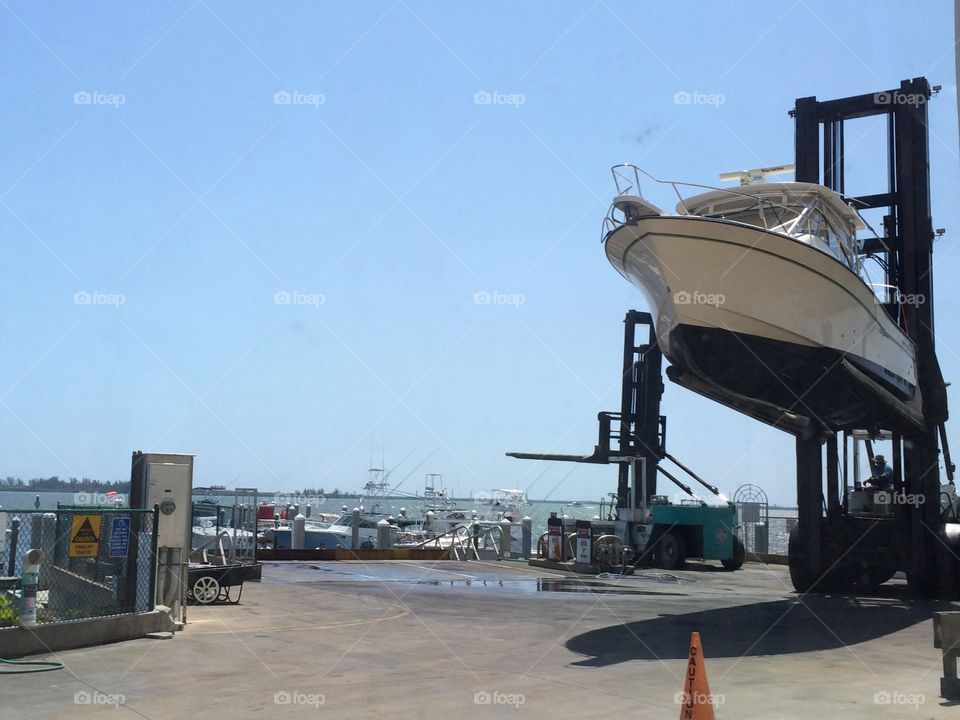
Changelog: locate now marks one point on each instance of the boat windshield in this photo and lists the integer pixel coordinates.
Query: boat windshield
(808, 213)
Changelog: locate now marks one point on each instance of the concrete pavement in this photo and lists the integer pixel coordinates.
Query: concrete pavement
(502, 640)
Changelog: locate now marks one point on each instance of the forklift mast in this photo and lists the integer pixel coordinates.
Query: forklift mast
(642, 432)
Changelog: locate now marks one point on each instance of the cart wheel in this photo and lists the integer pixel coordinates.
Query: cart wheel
(205, 590)
(672, 551)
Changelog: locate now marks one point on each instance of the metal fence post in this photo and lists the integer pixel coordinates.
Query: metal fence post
(355, 535)
(48, 544)
(14, 536)
(506, 538)
(154, 560)
(527, 539)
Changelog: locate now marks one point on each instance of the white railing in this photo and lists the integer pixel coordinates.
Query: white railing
(626, 178)
(463, 541)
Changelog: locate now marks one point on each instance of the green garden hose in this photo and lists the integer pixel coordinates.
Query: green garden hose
(41, 666)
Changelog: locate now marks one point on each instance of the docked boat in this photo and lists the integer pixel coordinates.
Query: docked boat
(760, 301)
(502, 504)
(438, 515)
(326, 536)
(336, 531)
(208, 532)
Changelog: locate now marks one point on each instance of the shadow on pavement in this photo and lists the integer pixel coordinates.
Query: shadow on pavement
(778, 627)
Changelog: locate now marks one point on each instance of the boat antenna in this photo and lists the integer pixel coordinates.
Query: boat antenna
(416, 467)
(757, 176)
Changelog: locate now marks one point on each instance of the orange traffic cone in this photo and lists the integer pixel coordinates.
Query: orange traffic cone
(696, 700)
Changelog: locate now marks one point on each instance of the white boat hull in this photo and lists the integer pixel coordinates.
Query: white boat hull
(728, 296)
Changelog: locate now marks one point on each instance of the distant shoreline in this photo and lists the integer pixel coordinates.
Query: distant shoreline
(293, 496)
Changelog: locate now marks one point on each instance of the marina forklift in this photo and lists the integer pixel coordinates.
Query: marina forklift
(651, 527)
(845, 541)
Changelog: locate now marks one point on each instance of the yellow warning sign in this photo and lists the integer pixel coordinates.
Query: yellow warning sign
(85, 535)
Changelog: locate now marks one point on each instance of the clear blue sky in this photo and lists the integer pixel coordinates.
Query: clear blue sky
(148, 158)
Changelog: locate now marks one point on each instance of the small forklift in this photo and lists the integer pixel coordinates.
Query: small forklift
(650, 527)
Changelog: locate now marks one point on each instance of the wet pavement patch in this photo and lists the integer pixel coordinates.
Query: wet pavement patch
(565, 585)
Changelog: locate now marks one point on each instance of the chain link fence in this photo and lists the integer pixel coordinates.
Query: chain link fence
(96, 562)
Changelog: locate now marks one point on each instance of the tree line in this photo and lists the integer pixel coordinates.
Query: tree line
(57, 484)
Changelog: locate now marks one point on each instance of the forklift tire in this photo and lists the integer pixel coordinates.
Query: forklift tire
(739, 555)
(672, 551)
(805, 580)
(870, 576)
(922, 586)
(801, 577)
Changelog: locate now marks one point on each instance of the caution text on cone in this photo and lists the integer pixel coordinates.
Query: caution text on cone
(696, 701)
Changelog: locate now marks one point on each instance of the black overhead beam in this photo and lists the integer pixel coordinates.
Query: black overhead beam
(878, 200)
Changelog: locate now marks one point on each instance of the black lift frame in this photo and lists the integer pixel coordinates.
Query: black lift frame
(831, 550)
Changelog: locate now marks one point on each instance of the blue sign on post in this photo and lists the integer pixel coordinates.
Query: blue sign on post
(119, 537)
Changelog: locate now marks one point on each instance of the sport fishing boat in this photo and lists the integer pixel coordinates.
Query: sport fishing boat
(760, 302)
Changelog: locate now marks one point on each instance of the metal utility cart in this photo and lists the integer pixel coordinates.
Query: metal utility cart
(228, 557)
(209, 583)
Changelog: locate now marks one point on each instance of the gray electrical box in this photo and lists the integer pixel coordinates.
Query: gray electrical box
(165, 479)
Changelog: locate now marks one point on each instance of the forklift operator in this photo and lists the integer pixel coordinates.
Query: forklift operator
(882, 477)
